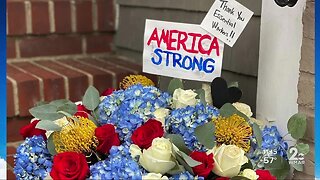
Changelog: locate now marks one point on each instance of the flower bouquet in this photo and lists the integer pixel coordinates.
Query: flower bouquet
(141, 132)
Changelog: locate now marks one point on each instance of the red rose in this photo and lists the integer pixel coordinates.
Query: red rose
(144, 135)
(31, 130)
(82, 111)
(107, 138)
(222, 178)
(265, 175)
(107, 92)
(205, 168)
(69, 165)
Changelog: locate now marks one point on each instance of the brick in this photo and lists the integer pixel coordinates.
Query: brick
(28, 89)
(40, 17)
(62, 16)
(119, 72)
(106, 15)
(10, 100)
(306, 87)
(101, 79)
(307, 56)
(53, 84)
(13, 128)
(308, 21)
(11, 48)
(84, 16)
(11, 150)
(301, 175)
(10, 160)
(50, 46)
(16, 18)
(10, 175)
(99, 43)
(78, 82)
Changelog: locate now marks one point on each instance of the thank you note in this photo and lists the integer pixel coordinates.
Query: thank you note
(226, 20)
(181, 50)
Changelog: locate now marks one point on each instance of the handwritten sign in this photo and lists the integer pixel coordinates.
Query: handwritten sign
(226, 20)
(181, 50)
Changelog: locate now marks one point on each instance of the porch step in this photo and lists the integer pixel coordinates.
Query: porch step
(46, 80)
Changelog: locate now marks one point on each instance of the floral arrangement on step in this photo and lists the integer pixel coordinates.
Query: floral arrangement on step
(142, 132)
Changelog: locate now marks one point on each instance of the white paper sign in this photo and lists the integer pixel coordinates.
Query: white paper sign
(181, 50)
(226, 20)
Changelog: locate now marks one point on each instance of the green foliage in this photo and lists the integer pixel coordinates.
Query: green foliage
(48, 125)
(178, 141)
(297, 125)
(279, 168)
(205, 134)
(303, 148)
(91, 98)
(228, 110)
(174, 84)
(257, 133)
(201, 95)
(51, 146)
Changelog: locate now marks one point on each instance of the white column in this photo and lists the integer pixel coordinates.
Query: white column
(280, 53)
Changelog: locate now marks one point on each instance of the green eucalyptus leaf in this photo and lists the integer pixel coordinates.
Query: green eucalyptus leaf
(191, 162)
(176, 170)
(178, 141)
(205, 134)
(202, 96)
(278, 167)
(40, 103)
(257, 133)
(91, 98)
(48, 125)
(68, 107)
(60, 102)
(46, 112)
(50, 145)
(174, 84)
(184, 164)
(303, 148)
(228, 110)
(297, 125)
(291, 154)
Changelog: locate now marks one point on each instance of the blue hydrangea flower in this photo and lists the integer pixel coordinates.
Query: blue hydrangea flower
(33, 160)
(119, 165)
(185, 176)
(272, 140)
(128, 109)
(183, 121)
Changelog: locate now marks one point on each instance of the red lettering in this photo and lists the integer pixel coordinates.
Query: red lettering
(154, 37)
(201, 49)
(194, 35)
(171, 40)
(182, 41)
(164, 37)
(215, 45)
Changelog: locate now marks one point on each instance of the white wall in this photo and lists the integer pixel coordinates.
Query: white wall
(280, 53)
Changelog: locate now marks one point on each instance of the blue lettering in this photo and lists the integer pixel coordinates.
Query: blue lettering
(176, 59)
(191, 65)
(168, 57)
(157, 52)
(196, 62)
(210, 66)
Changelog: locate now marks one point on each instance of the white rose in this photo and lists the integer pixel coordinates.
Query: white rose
(183, 98)
(207, 89)
(161, 114)
(158, 158)
(135, 150)
(250, 174)
(155, 176)
(228, 160)
(244, 108)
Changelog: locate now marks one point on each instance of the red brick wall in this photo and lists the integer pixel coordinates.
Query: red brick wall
(42, 28)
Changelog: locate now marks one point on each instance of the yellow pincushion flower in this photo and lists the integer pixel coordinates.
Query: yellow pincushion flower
(135, 79)
(233, 130)
(76, 136)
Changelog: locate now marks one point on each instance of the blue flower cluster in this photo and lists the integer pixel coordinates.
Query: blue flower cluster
(185, 176)
(184, 121)
(119, 165)
(272, 141)
(33, 160)
(128, 109)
